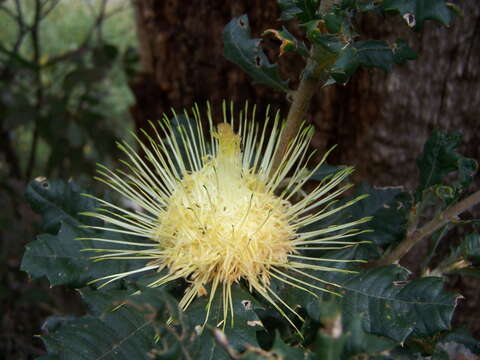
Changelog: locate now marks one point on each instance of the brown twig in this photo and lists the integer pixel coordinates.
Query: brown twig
(446, 216)
(314, 74)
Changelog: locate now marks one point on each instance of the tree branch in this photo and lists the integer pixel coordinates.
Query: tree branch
(429, 228)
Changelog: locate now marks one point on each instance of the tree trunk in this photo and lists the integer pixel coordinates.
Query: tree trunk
(380, 121)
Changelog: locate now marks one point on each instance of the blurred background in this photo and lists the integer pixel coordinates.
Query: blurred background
(77, 75)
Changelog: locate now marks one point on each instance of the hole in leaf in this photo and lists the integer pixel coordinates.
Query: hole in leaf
(410, 19)
(247, 304)
(258, 61)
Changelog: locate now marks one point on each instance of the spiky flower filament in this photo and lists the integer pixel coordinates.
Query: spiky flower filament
(217, 215)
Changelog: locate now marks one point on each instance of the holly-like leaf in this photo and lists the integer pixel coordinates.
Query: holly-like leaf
(416, 12)
(59, 255)
(303, 10)
(61, 259)
(247, 53)
(360, 342)
(395, 307)
(122, 326)
(440, 158)
(371, 54)
(246, 323)
(402, 52)
(374, 53)
(389, 212)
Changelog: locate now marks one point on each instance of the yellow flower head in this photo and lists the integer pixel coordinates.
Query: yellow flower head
(215, 212)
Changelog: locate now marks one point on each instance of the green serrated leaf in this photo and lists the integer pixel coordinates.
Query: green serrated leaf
(62, 260)
(328, 347)
(58, 255)
(57, 202)
(303, 10)
(439, 159)
(402, 52)
(395, 307)
(359, 342)
(333, 22)
(416, 12)
(462, 336)
(346, 64)
(247, 53)
(373, 53)
(117, 332)
(389, 211)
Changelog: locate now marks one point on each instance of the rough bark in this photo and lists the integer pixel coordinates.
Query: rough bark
(379, 121)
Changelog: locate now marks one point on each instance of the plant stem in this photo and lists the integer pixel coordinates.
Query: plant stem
(314, 73)
(298, 110)
(429, 228)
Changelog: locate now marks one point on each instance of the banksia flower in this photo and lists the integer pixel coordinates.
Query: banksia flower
(214, 212)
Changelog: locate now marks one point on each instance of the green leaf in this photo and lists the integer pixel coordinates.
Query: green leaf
(58, 254)
(416, 12)
(247, 53)
(373, 53)
(470, 246)
(347, 63)
(402, 52)
(333, 22)
(389, 211)
(395, 307)
(243, 332)
(303, 10)
(117, 332)
(57, 202)
(439, 159)
(60, 258)
(360, 342)
(284, 351)
(328, 347)
(462, 336)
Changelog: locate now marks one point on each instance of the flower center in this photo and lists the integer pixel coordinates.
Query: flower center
(222, 224)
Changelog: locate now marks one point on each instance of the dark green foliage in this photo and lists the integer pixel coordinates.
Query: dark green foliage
(439, 159)
(378, 309)
(333, 38)
(395, 307)
(58, 254)
(379, 313)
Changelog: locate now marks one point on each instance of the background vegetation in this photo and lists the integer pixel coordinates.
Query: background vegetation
(73, 79)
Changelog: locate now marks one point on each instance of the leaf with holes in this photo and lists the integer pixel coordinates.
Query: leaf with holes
(247, 53)
(58, 201)
(61, 259)
(59, 255)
